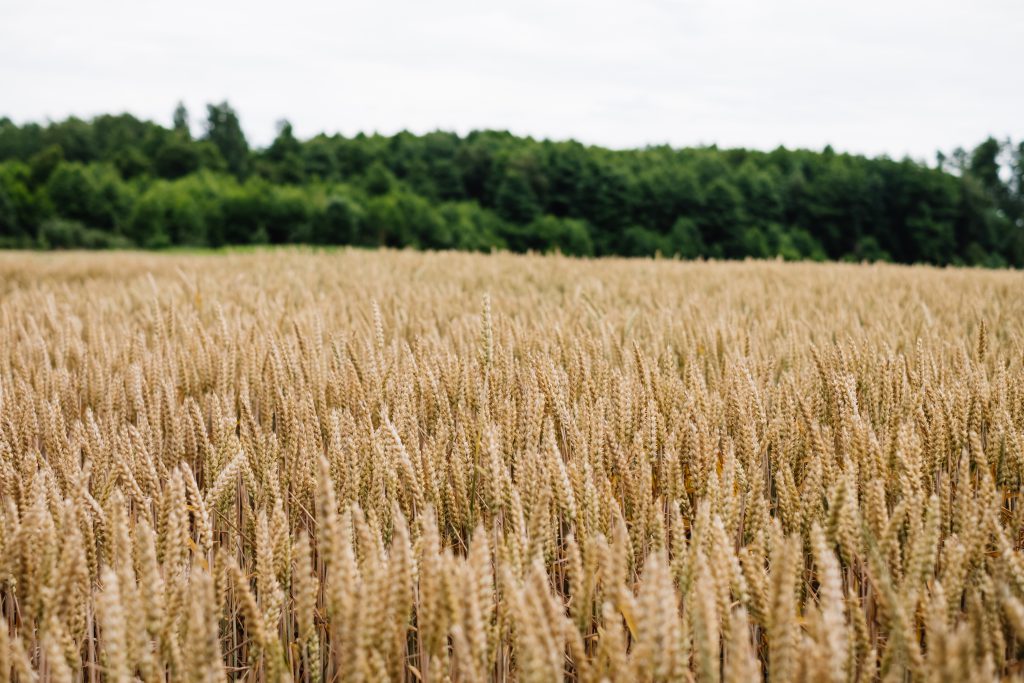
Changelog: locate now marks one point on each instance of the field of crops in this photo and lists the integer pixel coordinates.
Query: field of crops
(367, 466)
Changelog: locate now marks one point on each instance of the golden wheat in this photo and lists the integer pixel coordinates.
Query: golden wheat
(445, 467)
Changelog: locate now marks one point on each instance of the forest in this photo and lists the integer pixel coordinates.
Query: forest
(116, 181)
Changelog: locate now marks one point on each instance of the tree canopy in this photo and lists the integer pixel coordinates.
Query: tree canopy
(116, 181)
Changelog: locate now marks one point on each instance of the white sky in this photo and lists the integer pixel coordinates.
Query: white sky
(871, 76)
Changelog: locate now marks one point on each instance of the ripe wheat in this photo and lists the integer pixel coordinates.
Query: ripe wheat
(447, 467)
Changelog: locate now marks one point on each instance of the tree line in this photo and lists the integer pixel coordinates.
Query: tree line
(118, 181)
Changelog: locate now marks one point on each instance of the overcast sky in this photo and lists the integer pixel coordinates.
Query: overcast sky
(872, 76)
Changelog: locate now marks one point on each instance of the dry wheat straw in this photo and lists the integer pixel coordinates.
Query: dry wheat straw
(445, 467)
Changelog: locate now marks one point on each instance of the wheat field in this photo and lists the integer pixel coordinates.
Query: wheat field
(369, 466)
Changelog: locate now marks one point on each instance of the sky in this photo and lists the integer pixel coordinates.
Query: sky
(896, 77)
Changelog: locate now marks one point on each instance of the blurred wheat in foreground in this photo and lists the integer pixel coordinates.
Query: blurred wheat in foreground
(442, 467)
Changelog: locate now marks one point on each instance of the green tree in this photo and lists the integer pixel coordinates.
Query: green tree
(639, 241)
(180, 121)
(685, 240)
(340, 221)
(21, 209)
(224, 130)
(318, 160)
(723, 221)
(93, 194)
(516, 200)
(403, 219)
(61, 233)
(567, 235)
(176, 157)
(42, 164)
(210, 157)
(285, 156)
(75, 137)
(10, 228)
(379, 180)
(491, 188)
(868, 249)
(984, 165)
(131, 162)
(1018, 171)
(472, 227)
(168, 213)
